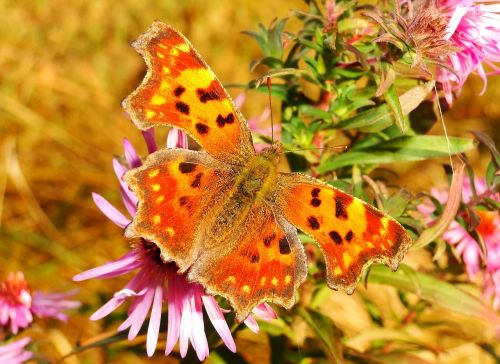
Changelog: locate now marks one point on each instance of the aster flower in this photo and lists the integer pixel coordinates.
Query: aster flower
(18, 304)
(473, 27)
(157, 282)
(465, 244)
(14, 352)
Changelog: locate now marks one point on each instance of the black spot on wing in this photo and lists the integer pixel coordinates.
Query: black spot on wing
(197, 180)
(335, 236)
(186, 167)
(313, 222)
(284, 246)
(315, 202)
(201, 128)
(269, 239)
(182, 107)
(179, 90)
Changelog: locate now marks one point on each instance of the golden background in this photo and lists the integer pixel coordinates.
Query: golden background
(64, 69)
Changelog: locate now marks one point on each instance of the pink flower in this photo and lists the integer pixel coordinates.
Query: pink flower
(465, 244)
(157, 282)
(14, 352)
(18, 304)
(474, 29)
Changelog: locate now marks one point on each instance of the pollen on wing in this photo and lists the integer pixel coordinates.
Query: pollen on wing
(155, 187)
(275, 281)
(246, 289)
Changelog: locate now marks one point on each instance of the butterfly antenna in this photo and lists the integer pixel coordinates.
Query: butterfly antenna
(443, 124)
(270, 108)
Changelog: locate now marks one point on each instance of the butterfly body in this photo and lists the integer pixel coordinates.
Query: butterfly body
(226, 216)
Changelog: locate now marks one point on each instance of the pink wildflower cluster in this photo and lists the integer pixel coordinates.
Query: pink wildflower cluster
(466, 245)
(18, 304)
(157, 282)
(474, 30)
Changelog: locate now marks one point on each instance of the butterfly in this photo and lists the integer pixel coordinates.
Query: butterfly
(225, 215)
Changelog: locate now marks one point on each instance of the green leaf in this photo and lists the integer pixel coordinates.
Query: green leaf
(392, 100)
(326, 331)
(415, 96)
(433, 290)
(406, 148)
(370, 121)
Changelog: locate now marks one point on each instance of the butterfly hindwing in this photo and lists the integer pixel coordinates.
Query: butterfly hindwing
(263, 262)
(181, 90)
(175, 187)
(350, 233)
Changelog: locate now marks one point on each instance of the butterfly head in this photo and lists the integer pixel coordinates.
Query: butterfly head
(272, 153)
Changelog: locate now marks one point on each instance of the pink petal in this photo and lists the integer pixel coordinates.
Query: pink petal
(123, 265)
(174, 312)
(131, 155)
(252, 324)
(110, 211)
(154, 321)
(177, 139)
(149, 137)
(218, 321)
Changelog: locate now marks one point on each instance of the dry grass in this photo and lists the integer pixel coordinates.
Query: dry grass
(64, 68)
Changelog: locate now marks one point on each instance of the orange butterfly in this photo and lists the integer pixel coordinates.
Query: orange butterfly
(225, 215)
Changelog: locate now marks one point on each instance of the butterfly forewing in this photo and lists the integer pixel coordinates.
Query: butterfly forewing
(180, 90)
(350, 233)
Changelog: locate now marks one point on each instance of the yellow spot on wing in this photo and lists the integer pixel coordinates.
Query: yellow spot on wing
(164, 85)
(166, 70)
(263, 281)
(170, 231)
(160, 55)
(337, 271)
(174, 52)
(197, 76)
(275, 281)
(231, 279)
(160, 199)
(150, 114)
(155, 187)
(156, 219)
(158, 100)
(347, 258)
(162, 46)
(246, 289)
(153, 173)
(183, 47)
(288, 279)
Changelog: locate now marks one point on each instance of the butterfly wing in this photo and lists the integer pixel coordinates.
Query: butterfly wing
(263, 262)
(350, 233)
(175, 187)
(181, 90)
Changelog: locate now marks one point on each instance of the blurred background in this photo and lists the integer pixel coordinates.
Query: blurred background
(65, 66)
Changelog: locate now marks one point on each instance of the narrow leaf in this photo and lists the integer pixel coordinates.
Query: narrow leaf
(326, 331)
(391, 98)
(452, 205)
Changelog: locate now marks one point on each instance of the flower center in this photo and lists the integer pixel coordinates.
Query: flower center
(15, 290)
(488, 224)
